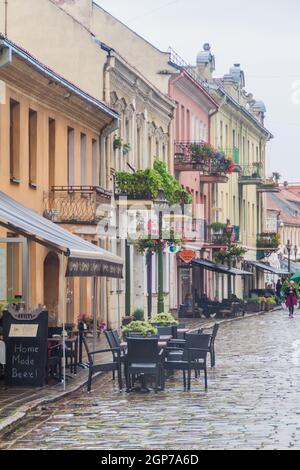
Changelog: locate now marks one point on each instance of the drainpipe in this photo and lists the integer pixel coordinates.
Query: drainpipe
(104, 160)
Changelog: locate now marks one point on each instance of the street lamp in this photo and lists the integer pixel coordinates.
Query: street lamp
(228, 231)
(289, 249)
(160, 202)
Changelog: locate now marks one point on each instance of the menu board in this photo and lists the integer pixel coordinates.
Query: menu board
(26, 348)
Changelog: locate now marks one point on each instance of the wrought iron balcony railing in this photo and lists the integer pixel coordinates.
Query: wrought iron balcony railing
(76, 204)
(232, 153)
(251, 174)
(267, 243)
(199, 156)
(269, 185)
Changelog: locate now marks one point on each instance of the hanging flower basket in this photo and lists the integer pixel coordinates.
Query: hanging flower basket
(155, 245)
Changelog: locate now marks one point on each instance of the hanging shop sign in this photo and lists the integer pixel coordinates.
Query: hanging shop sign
(187, 256)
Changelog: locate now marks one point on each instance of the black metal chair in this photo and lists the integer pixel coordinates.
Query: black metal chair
(212, 345)
(144, 358)
(114, 343)
(194, 357)
(103, 367)
(54, 363)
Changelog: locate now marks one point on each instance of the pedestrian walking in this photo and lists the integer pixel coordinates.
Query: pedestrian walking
(291, 299)
(278, 290)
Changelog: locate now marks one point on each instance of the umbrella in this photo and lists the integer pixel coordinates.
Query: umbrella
(296, 277)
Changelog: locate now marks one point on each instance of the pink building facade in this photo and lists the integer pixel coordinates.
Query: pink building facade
(194, 108)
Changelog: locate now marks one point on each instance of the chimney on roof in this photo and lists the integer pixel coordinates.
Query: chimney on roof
(206, 63)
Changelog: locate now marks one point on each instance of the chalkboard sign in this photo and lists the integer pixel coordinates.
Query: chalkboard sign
(25, 335)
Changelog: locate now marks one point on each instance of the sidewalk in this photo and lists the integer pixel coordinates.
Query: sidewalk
(16, 403)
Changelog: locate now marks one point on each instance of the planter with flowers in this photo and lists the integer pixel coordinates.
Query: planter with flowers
(144, 328)
(87, 321)
(164, 319)
(154, 245)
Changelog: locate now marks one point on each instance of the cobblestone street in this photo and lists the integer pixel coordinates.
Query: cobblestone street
(252, 402)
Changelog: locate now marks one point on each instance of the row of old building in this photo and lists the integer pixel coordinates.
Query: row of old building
(84, 97)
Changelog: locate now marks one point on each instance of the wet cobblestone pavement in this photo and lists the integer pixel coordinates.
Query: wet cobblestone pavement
(252, 402)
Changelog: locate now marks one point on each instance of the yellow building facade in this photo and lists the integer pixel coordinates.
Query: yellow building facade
(50, 144)
(238, 130)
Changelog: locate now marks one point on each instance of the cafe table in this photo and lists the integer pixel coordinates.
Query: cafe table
(162, 342)
(72, 344)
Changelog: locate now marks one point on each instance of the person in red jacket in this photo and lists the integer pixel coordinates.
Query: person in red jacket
(291, 299)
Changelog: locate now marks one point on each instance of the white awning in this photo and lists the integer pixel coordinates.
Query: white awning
(84, 258)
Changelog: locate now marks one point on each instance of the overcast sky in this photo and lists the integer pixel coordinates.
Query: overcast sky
(262, 35)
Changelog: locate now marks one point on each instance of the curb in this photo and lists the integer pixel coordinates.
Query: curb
(7, 424)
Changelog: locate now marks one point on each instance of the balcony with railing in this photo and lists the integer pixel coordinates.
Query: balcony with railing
(251, 174)
(222, 238)
(270, 185)
(214, 166)
(267, 243)
(76, 204)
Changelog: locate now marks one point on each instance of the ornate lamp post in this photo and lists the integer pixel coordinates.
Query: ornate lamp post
(160, 202)
(289, 249)
(296, 252)
(228, 231)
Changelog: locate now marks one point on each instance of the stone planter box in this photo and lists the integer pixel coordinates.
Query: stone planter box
(253, 308)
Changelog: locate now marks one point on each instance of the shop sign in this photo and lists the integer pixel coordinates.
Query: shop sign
(25, 336)
(187, 256)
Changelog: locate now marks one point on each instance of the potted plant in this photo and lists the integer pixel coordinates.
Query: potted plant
(270, 303)
(263, 301)
(126, 149)
(138, 314)
(86, 320)
(143, 327)
(164, 319)
(217, 227)
(253, 305)
(127, 320)
(117, 143)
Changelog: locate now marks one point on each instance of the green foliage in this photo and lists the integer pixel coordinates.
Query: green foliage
(126, 149)
(143, 327)
(117, 143)
(254, 301)
(201, 151)
(145, 184)
(155, 244)
(268, 240)
(217, 226)
(164, 319)
(138, 314)
(271, 301)
(232, 253)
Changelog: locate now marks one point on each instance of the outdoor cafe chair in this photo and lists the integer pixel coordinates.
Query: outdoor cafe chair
(212, 344)
(114, 343)
(114, 366)
(167, 330)
(54, 362)
(194, 357)
(144, 358)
